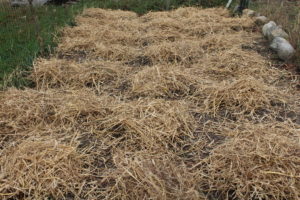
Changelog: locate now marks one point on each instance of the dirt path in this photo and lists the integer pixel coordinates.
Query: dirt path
(169, 105)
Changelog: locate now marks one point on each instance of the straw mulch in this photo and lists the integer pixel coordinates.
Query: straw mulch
(169, 105)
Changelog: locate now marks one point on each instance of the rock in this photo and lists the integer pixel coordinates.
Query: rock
(261, 20)
(249, 13)
(27, 2)
(236, 9)
(268, 28)
(228, 3)
(277, 32)
(19, 3)
(258, 15)
(283, 48)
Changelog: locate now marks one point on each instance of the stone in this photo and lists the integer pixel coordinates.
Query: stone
(277, 32)
(283, 48)
(228, 3)
(236, 9)
(261, 20)
(27, 2)
(249, 13)
(268, 28)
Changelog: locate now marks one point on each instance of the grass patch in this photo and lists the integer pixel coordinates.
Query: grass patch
(27, 33)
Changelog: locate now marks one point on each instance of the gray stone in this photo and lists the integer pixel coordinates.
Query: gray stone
(249, 13)
(28, 2)
(277, 32)
(261, 20)
(228, 3)
(236, 9)
(283, 48)
(268, 28)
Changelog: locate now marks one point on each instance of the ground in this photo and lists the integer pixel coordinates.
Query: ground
(182, 104)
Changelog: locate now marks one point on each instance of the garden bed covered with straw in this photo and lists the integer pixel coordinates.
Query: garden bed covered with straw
(168, 105)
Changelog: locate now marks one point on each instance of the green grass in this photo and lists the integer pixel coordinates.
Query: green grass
(28, 33)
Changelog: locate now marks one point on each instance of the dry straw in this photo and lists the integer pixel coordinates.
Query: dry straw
(245, 96)
(53, 112)
(169, 105)
(151, 124)
(235, 63)
(164, 81)
(257, 163)
(57, 73)
(40, 168)
(150, 175)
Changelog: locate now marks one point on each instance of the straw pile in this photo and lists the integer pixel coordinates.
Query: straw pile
(169, 105)
(43, 167)
(257, 163)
